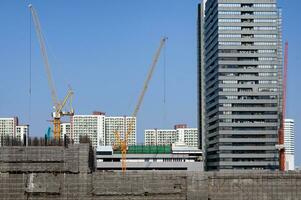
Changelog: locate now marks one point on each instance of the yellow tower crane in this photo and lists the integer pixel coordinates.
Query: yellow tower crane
(123, 143)
(57, 105)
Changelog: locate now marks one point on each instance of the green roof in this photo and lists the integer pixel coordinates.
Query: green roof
(147, 149)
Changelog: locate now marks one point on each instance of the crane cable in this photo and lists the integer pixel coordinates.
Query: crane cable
(164, 84)
(30, 66)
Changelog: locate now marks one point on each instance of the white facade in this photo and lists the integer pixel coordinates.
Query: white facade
(160, 136)
(100, 129)
(121, 125)
(179, 157)
(65, 130)
(189, 136)
(91, 126)
(289, 137)
(21, 131)
(8, 127)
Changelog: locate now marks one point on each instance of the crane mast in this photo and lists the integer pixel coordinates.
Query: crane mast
(281, 129)
(124, 143)
(57, 105)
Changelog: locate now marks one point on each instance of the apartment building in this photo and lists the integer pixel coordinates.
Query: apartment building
(160, 136)
(121, 124)
(181, 134)
(100, 128)
(91, 126)
(22, 133)
(65, 130)
(9, 127)
(189, 136)
(289, 144)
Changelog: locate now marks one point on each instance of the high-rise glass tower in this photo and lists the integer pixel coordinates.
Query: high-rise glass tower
(240, 83)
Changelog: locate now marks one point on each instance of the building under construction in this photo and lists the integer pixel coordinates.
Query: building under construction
(57, 172)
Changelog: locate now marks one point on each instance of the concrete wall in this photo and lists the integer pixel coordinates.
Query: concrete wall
(84, 183)
(150, 185)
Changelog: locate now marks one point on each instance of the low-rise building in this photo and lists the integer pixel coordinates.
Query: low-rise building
(151, 157)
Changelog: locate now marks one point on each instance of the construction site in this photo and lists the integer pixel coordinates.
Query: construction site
(62, 167)
(57, 172)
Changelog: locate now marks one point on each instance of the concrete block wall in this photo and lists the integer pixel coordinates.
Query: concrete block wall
(77, 181)
(45, 159)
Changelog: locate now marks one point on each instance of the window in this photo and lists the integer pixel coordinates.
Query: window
(265, 36)
(265, 28)
(227, 112)
(267, 74)
(229, 35)
(228, 82)
(229, 20)
(229, 12)
(245, 90)
(267, 59)
(247, 51)
(229, 43)
(229, 89)
(229, 28)
(267, 82)
(267, 66)
(265, 13)
(264, 5)
(226, 105)
(267, 89)
(265, 20)
(267, 51)
(265, 43)
(228, 97)
(230, 5)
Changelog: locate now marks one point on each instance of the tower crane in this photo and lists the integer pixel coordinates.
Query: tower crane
(123, 143)
(58, 106)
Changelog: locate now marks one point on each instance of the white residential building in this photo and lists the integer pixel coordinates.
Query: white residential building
(121, 125)
(100, 129)
(189, 136)
(91, 126)
(65, 130)
(160, 136)
(289, 137)
(22, 132)
(8, 127)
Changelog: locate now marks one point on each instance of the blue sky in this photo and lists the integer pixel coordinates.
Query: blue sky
(103, 49)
